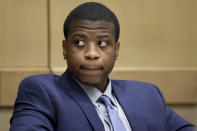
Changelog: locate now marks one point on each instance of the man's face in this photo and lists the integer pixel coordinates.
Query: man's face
(91, 51)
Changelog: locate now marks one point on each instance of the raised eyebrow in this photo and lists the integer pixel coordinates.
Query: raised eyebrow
(78, 35)
(103, 36)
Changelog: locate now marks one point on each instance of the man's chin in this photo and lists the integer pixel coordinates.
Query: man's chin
(91, 81)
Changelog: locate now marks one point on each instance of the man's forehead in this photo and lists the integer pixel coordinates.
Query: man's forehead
(89, 25)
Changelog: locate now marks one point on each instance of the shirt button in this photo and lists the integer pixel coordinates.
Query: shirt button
(106, 114)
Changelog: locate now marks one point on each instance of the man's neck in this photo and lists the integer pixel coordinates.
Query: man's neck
(101, 87)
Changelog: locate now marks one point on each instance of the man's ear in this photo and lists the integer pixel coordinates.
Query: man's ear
(64, 46)
(117, 50)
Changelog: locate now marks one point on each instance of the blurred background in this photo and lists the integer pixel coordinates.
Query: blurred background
(158, 44)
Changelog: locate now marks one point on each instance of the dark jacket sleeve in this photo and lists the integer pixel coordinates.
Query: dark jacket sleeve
(33, 107)
(174, 121)
(177, 123)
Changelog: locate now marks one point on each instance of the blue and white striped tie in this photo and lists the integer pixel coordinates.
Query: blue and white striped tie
(115, 120)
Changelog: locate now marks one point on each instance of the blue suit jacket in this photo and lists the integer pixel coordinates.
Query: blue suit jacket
(58, 103)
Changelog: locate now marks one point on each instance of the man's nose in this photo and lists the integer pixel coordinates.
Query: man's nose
(92, 51)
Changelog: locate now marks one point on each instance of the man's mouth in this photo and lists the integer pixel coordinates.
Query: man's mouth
(91, 67)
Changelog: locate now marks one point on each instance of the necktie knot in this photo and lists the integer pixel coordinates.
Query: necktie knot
(106, 100)
(115, 120)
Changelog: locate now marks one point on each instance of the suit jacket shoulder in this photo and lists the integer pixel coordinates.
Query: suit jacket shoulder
(144, 103)
(53, 103)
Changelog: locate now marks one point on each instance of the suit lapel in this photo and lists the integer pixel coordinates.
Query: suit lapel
(128, 104)
(77, 93)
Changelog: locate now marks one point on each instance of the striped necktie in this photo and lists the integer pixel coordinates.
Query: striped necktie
(115, 120)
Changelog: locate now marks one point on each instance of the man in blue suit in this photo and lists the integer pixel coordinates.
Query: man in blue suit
(75, 101)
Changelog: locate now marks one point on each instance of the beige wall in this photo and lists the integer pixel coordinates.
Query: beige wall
(154, 33)
(23, 33)
(158, 44)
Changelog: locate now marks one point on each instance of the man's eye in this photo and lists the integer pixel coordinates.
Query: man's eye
(79, 42)
(102, 43)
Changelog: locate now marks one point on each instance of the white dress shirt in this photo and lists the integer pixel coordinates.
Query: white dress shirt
(94, 94)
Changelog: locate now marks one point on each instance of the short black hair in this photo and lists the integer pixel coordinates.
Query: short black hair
(92, 11)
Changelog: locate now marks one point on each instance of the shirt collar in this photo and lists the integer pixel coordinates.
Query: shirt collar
(108, 92)
(94, 94)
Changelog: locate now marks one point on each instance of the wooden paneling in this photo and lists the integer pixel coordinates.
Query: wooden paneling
(23, 33)
(153, 33)
(5, 115)
(179, 86)
(10, 79)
